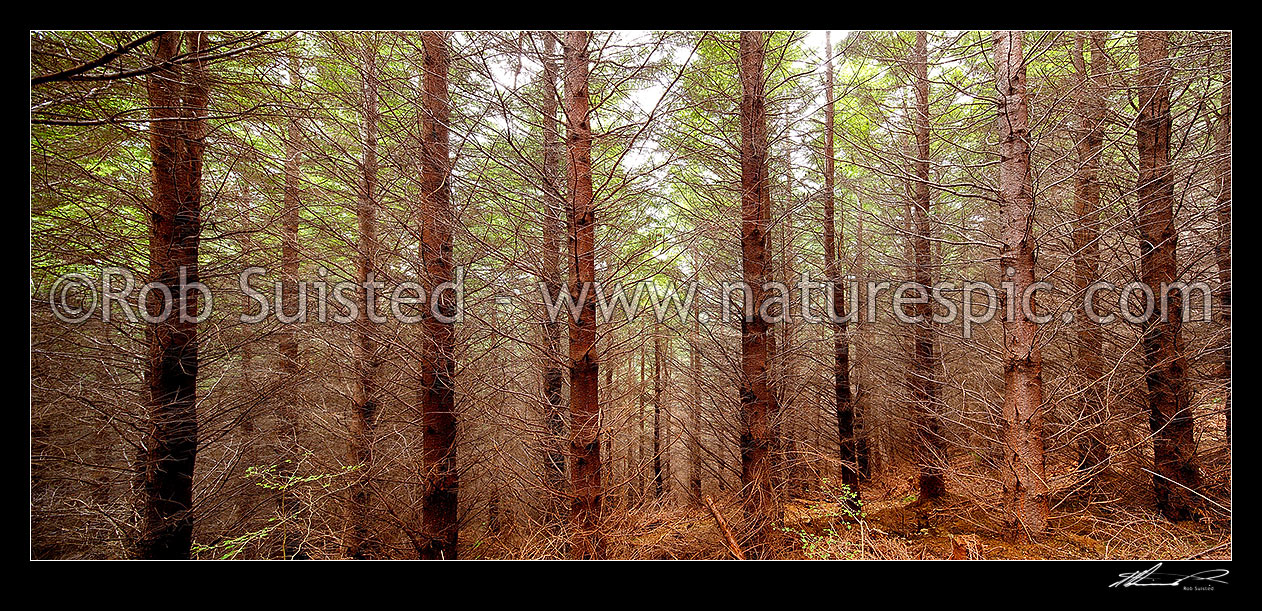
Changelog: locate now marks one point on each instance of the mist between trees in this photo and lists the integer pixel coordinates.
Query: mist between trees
(513, 294)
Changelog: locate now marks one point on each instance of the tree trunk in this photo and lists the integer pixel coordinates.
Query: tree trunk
(440, 527)
(364, 400)
(758, 402)
(1093, 453)
(640, 483)
(177, 100)
(844, 409)
(584, 370)
(694, 437)
(869, 444)
(288, 457)
(659, 484)
(554, 204)
(606, 432)
(931, 448)
(629, 493)
(793, 438)
(1025, 483)
(1222, 252)
(1170, 414)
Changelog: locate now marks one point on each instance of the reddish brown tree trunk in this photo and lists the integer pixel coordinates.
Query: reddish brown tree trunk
(1223, 250)
(659, 480)
(931, 453)
(584, 371)
(629, 460)
(364, 399)
(1024, 483)
(606, 431)
(694, 411)
(288, 504)
(178, 99)
(640, 480)
(791, 438)
(1170, 414)
(554, 205)
(758, 402)
(439, 525)
(843, 409)
(870, 440)
(1092, 452)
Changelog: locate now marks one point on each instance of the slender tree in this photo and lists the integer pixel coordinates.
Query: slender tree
(1177, 476)
(758, 401)
(1222, 250)
(606, 432)
(584, 370)
(440, 526)
(869, 448)
(554, 204)
(1024, 479)
(659, 479)
(365, 398)
(843, 409)
(694, 412)
(788, 348)
(178, 98)
(930, 447)
(287, 460)
(1093, 452)
(641, 483)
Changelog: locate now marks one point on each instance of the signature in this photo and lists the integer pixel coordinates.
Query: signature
(1151, 577)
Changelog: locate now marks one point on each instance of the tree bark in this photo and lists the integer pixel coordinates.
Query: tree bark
(1170, 413)
(440, 527)
(639, 423)
(364, 399)
(931, 453)
(869, 445)
(606, 432)
(178, 98)
(758, 402)
(584, 370)
(1222, 251)
(1025, 482)
(659, 482)
(554, 204)
(792, 438)
(288, 503)
(1093, 453)
(844, 409)
(694, 411)
(641, 485)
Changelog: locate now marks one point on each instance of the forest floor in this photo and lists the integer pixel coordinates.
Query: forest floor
(1110, 515)
(895, 526)
(1105, 520)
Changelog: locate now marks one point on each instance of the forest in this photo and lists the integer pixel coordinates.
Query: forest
(807, 295)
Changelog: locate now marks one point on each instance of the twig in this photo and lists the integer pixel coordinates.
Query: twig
(1209, 551)
(727, 534)
(1189, 490)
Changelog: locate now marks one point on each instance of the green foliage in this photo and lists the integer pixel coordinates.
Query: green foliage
(839, 506)
(828, 546)
(271, 478)
(268, 477)
(230, 548)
